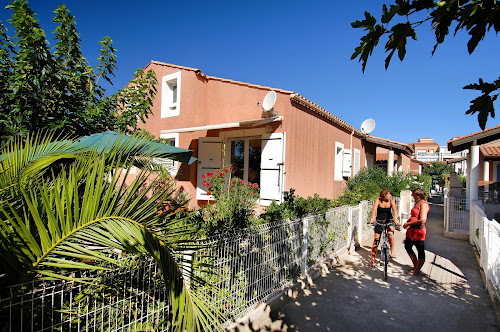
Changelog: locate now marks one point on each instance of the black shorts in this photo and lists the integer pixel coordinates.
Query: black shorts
(379, 228)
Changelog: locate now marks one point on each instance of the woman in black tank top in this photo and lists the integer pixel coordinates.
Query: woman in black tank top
(383, 212)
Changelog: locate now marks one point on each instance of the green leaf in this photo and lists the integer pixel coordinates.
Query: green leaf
(368, 23)
(388, 15)
(368, 43)
(397, 41)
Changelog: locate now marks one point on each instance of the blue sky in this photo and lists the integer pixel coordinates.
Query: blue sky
(295, 45)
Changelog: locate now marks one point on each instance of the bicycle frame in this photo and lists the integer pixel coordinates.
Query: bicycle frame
(384, 245)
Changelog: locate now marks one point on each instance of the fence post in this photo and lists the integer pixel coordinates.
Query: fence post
(349, 229)
(486, 237)
(305, 235)
(400, 207)
(447, 213)
(360, 223)
(472, 222)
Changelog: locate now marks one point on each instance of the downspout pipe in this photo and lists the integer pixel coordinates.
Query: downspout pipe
(352, 154)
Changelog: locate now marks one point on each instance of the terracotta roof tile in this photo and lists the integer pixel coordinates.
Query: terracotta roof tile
(478, 132)
(382, 157)
(320, 110)
(494, 143)
(200, 73)
(490, 151)
(425, 144)
(421, 162)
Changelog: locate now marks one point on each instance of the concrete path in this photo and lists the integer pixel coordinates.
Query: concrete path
(450, 296)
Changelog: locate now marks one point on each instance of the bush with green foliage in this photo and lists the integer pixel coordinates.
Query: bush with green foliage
(369, 181)
(294, 207)
(235, 202)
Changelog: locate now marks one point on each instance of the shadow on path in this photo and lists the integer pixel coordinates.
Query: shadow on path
(449, 296)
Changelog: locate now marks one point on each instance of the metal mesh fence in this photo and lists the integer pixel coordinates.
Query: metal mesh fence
(457, 215)
(133, 299)
(248, 267)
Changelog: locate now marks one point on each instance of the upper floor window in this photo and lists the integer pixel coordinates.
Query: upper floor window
(170, 95)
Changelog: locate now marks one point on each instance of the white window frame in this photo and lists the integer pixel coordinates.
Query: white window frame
(246, 152)
(169, 107)
(347, 164)
(356, 162)
(171, 165)
(259, 133)
(338, 161)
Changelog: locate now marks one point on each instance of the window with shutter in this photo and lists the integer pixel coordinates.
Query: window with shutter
(209, 160)
(272, 168)
(347, 163)
(339, 161)
(170, 164)
(356, 162)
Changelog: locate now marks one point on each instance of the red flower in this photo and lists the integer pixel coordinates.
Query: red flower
(221, 174)
(208, 185)
(203, 176)
(231, 167)
(226, 170)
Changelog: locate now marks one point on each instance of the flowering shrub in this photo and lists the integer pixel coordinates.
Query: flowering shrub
(235, 201)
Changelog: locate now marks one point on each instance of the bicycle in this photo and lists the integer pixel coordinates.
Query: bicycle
(384, 246)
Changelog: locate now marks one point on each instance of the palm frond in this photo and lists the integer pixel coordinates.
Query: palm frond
(73, 218)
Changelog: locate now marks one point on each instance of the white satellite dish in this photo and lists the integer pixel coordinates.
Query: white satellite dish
(367, 126)
(269, 101)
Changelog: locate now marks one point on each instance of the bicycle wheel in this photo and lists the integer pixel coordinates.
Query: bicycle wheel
(385, 255)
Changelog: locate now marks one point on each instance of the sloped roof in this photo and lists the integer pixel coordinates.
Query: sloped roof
(425, 144)
(391, 145)
(421, 162)
(201, 74)
(382, 157)
(321, 111)
(490, 151)
(477, 138)
(293, 96)
(404, 148)
(456, 160)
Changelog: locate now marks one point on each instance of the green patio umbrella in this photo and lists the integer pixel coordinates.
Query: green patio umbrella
(109, 140)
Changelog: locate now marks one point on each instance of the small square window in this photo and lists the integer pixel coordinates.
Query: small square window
(170, 95)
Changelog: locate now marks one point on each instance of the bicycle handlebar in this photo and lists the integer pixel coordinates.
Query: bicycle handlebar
(383, 224)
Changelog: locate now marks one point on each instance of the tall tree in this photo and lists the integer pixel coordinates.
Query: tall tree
(398, 23)
(437, 170)
(45, 88)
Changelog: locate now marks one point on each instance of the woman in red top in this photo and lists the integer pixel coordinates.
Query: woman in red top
(415, 235)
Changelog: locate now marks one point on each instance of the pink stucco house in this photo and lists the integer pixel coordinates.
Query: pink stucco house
(296, 145)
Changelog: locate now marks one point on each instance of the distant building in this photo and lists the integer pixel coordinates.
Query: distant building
(427, 150)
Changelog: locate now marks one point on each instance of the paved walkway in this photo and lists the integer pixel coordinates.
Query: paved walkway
(450, 296)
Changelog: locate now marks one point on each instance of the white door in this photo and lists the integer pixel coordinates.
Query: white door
(209, 160)
(272, 168)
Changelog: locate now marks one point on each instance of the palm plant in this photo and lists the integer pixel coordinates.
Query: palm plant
(64, 209)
